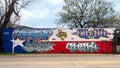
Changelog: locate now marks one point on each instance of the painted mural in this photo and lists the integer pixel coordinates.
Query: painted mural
(62, 35)
(34, 34)
(39, 47)
(33, 46)
(92, 33)
(83, 47)
(30, 39)
(53, 40)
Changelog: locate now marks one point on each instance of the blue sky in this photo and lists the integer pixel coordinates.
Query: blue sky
(43, 13)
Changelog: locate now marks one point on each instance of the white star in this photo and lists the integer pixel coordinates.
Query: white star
(17, 42)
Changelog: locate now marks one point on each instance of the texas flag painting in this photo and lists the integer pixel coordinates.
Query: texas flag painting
(54, 40)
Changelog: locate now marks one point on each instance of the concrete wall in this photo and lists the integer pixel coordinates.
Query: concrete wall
(52, 40)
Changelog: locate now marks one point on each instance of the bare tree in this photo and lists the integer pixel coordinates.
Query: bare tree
(10, 13)
(10, 10)
(87, 13)
(101, 14)
(73, 13)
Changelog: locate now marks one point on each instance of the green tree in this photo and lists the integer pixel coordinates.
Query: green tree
(10, 13)
(87, 13)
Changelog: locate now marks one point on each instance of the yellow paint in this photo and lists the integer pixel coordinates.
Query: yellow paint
(62, 35)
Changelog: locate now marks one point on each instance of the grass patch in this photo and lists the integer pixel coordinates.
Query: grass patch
(6, 54)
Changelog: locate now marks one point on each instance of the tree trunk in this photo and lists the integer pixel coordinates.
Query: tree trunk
(6, 21)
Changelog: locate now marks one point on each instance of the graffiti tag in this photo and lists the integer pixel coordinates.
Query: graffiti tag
(95, 33)
(41, 34)
(83, 47)
(38, 46)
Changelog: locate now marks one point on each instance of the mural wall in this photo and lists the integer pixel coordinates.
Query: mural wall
(52, 40)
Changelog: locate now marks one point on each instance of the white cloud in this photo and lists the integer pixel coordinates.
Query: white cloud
(117, 8)
(41, 13)
(56, 2)
(116, 4)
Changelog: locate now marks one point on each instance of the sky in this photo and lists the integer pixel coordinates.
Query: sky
(43, 13)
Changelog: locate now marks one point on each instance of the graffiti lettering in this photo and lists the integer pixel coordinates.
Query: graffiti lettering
(41, 34)
(38, 46)
(95, 33)
(83, 47)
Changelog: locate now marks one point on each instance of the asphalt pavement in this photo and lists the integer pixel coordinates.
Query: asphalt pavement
(60, 61)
